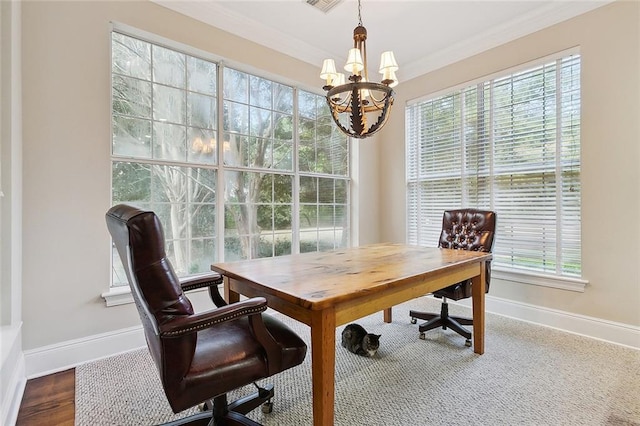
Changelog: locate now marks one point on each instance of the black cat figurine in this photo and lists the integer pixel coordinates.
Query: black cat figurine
(356, 339)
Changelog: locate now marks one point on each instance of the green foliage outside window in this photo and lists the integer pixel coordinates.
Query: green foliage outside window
(172, 149)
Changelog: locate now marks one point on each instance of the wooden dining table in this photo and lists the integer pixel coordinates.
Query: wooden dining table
(327, 289)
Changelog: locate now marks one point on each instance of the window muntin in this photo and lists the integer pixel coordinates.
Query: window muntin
(511, 144)
(258, 122)
(167, 121)
(258, 215)
(184, 200)
(323, 157)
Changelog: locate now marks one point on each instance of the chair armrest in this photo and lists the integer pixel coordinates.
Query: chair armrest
(180, 326)
(252, 308)
(272, 348)
(210, 280)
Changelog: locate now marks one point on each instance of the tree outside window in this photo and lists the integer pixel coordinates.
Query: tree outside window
(276, 142)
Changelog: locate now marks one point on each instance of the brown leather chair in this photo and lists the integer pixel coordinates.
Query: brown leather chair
(200, 356)
(464, 229)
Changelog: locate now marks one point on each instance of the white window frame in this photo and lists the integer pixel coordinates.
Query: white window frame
(554, 280)
(117, 295)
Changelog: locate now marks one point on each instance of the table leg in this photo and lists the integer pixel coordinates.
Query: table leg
(229, 295)
(387, 315)
(478, 296)
(323, 365)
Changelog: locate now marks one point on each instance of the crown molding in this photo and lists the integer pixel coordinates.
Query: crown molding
(537, 20)
(216, 15)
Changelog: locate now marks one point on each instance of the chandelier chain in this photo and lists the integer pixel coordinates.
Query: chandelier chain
(359, 13)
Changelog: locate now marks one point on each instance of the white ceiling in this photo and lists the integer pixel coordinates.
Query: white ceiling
(423, 34)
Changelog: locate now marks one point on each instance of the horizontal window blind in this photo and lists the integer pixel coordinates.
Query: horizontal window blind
(509, 144)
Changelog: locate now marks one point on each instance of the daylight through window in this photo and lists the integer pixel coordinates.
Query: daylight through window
(235, 165)
(510, 144)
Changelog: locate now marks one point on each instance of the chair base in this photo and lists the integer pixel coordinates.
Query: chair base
(220, 413)
(443, 320)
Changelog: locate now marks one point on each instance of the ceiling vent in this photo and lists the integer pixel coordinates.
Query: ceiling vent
(323, 5)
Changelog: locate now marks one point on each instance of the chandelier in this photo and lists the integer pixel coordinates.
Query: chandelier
(360, 108)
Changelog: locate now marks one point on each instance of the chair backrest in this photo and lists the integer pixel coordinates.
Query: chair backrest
(156, 290)
(469, 229)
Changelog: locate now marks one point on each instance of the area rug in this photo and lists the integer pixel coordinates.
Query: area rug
(529, 375)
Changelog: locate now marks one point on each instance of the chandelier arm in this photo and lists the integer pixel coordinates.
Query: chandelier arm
(382, 119)
(376, 103)
(375, 100)
(335, 100)
(361, 85)
(364, 60)
(356, 109)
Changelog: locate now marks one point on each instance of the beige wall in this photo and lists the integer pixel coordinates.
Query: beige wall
(66, 119)
(66, 75)
(609, 41)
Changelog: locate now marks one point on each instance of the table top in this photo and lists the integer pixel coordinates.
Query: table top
(320, 279)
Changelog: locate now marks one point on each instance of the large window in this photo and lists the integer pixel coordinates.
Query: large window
(510, 144)
(236, 166)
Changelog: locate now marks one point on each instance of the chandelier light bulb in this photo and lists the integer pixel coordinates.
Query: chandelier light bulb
(388, 61)
(328, 72)
(389, 78)
(354, 61)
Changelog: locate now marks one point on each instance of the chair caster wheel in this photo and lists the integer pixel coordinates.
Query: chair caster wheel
(267, 407)
(423, 336)
(413, 320)
(467, 343)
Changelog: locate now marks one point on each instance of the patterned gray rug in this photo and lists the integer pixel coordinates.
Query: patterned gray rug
(529, 375)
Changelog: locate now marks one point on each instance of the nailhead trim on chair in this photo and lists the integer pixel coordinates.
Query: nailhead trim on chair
(208, 324)
(202, 284)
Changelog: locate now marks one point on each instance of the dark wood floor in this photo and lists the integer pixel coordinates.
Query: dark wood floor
(49, 400)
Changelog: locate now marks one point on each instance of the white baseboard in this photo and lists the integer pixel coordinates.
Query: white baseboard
(13, 396)
(595, 328)
(12, 373)
(59, 357)
(69, 354)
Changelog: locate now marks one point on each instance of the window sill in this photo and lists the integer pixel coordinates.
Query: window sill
(563, 283)
(120, 295)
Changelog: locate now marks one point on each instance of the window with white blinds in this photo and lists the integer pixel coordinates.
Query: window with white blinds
(510, 144)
